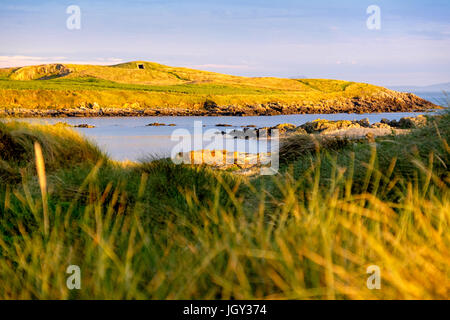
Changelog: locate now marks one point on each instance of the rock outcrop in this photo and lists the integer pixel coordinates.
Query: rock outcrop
(407, 122)
(157, 124)
(340, 127)
(42, 72)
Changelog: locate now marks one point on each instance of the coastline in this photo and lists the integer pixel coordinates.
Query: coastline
(257, 110)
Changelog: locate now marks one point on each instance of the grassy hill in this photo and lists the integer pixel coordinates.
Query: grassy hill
(148, 86)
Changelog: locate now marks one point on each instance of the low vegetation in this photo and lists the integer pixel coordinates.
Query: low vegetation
(162, 231)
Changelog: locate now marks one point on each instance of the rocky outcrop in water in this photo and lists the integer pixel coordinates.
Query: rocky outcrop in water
(157, 124)
(82, 125)
(341, 127)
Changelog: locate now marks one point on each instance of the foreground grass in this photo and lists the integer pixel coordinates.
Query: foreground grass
(161, 231)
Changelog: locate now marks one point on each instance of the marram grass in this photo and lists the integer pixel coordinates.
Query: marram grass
(161, 231)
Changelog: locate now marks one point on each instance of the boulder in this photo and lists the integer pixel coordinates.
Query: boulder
(284, 127)
(380, 125)
(323, 126)
(365, 123)
(412, 122)
(223, 125)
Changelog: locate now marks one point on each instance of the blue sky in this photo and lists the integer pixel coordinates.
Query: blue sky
(284, 38)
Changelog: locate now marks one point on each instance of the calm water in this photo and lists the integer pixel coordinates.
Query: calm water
(129, 138)
(438, 98)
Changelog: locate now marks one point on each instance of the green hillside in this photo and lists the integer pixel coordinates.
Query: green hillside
(147, 85)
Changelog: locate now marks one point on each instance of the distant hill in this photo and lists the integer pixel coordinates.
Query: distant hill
(146, 88)
(298, 77)
(440, 87)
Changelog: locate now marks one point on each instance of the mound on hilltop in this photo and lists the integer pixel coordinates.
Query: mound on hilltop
(143, 88)
(42, 72)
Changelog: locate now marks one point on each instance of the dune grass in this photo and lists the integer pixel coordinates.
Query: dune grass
(161, 231)
(61, 147)
(401, 151)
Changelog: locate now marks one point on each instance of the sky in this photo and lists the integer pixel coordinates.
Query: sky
(282, 38)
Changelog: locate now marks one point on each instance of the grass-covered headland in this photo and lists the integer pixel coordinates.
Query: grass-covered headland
(163, 231)
(145, 88)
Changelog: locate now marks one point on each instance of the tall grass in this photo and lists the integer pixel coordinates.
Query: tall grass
(161, 231)
(61, 147)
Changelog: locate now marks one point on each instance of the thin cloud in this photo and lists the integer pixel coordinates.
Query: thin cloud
(21, 61)
(220, 66)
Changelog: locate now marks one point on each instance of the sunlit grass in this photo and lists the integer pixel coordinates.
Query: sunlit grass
(58, 86)
(162, 231)
(60, 146)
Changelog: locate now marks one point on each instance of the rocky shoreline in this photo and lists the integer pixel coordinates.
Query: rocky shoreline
(401, 102)
(333, 127)
(325, 132)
